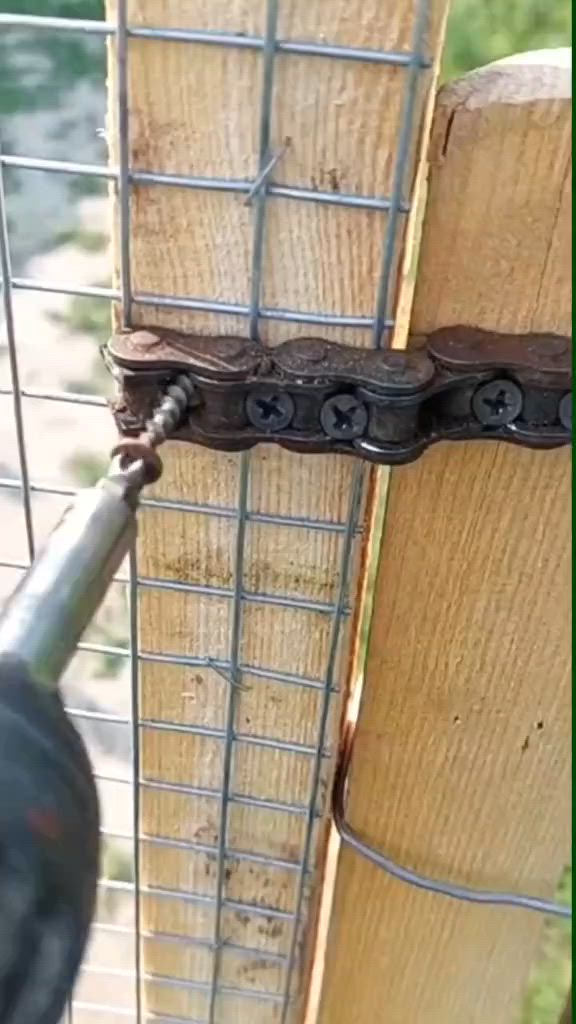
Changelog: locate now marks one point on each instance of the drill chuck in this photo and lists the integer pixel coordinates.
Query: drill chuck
(49, 818)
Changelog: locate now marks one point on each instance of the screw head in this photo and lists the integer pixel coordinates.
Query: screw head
(269, 410)
(344, 417)
(565, 411)
(497, 403)
(143, 340)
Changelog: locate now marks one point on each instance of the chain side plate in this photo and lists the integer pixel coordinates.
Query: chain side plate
(311, 395)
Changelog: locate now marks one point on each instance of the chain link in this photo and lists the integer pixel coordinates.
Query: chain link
(311, 395)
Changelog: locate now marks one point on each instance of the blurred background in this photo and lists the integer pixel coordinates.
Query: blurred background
(52, 105)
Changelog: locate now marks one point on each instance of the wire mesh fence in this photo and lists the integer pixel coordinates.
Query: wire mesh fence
(119, 929)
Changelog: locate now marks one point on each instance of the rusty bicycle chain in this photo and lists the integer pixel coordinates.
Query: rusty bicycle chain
(310, 395)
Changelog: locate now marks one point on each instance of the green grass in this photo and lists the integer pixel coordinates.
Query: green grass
(91, 317)
(550, 982)
(83, 186)
(86, 316)
(109, 665)
(91, 9)
(480, 31)
(86, 468)
(117, 864)
(61, 60)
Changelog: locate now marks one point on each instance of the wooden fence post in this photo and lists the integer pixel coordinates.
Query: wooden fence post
(195, 109)
(462, 757)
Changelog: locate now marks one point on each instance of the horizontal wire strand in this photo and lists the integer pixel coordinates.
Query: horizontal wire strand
(208, 849)
(184, 789)
(198, 305)
(190, 941)
(175, 505)
(206, 590)
(233, 185)
(205, 731)
(225, 39)
(162, 892)
(258, 995)
(415, 879)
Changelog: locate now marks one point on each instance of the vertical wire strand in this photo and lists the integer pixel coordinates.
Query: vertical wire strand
(135, 723)
(401, 162)
(235, 681)
(357, 490)
(260, 197)
(123, 198)
(382, 302)
(6, 272)
(123, 142)
(259, 207)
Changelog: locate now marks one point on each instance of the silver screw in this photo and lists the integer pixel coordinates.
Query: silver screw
(169, 414)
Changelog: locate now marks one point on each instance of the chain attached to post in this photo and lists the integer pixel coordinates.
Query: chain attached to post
(310, 395)
(166, 417)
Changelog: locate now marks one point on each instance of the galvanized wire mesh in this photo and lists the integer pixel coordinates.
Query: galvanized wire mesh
(414, 63)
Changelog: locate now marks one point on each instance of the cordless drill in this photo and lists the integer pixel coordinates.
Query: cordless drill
(49, 817)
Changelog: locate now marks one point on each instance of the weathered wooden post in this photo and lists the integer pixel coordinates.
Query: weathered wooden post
(462, 757)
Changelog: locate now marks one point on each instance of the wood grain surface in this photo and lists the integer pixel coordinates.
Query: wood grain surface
(195, 109)
(461, 764)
